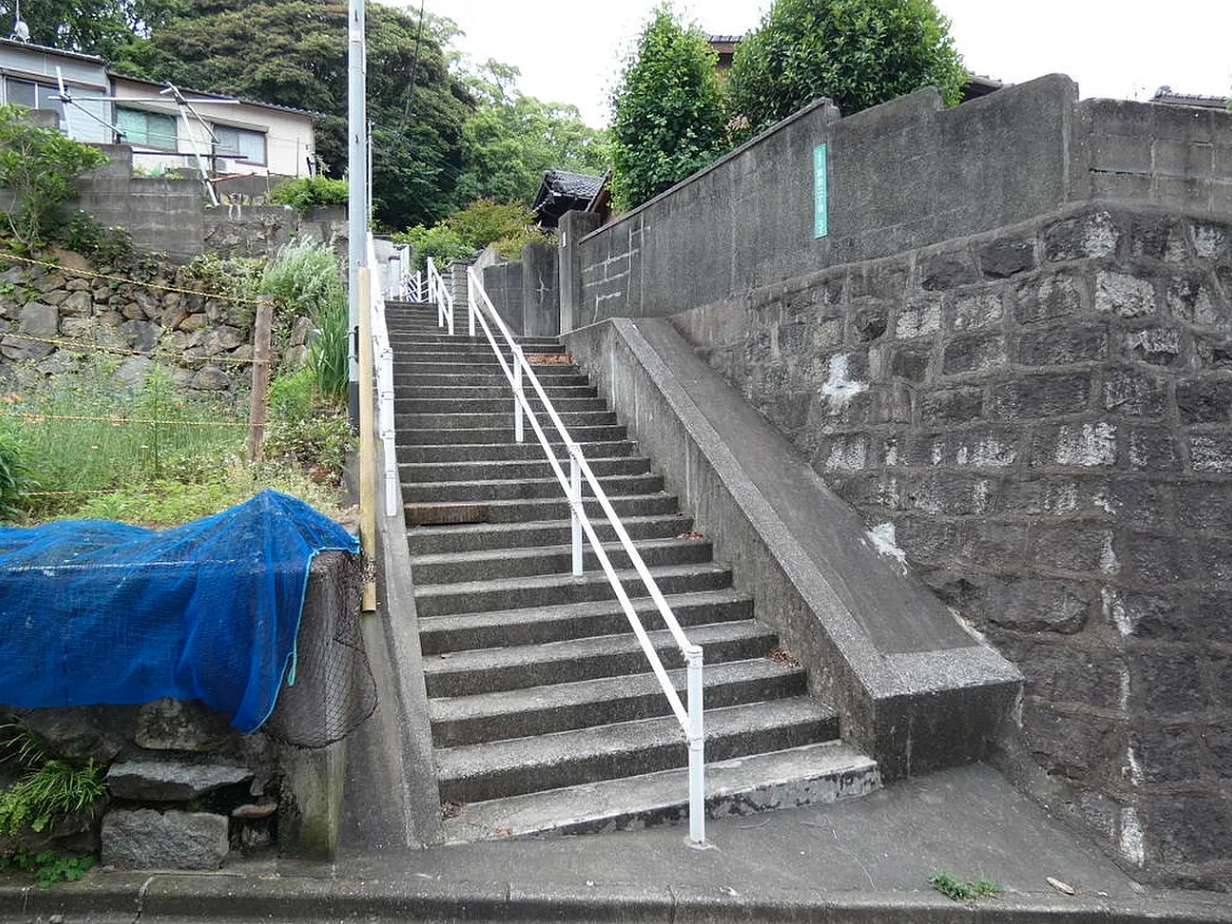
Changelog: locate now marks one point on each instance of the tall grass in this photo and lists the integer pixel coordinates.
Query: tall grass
(85, 431)
(307, 278)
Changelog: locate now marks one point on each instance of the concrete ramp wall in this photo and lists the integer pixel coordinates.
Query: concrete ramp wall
(913, 687)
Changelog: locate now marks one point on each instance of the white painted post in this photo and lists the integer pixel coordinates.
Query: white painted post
(519, 426)
(697, 744)
(575, 489)
(471, 307)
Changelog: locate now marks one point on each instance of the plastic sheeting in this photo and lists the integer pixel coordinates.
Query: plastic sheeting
(94, 612)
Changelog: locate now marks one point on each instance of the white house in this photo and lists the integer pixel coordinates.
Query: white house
(224, 135)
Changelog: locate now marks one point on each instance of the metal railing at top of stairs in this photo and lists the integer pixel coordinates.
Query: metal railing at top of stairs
(441, 295)
(383, 356)
(479, 309)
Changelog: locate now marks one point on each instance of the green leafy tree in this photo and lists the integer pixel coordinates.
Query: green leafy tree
(98, 27)
(668, 113)
(511, 140)
(37, 166)
(856, 52)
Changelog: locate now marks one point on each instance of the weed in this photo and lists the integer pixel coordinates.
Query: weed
(18, 744)
(55, 788)
(16, 473)
(48, 866)
(957, 890)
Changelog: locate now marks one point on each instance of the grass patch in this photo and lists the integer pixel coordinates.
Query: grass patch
(957, 890)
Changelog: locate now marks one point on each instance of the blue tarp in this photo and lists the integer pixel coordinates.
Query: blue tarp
(94, 612)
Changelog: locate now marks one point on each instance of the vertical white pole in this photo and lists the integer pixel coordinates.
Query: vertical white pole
(575, 497)
(357, 188)
(519, 429)
(470, 306)
(697, 744)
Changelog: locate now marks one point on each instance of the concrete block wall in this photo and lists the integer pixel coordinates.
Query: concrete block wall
(899, 176)
(1041, 418)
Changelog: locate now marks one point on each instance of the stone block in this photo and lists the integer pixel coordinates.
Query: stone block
(1092, 234)
(1167, 753)
(1040, 396)
(1079, 445)
(910, 362)
(1134, 393)
(982, 309)
(1076, 546)
(946, 272)
(1204, 400)
(170, 780)
(1196, 303)
(175, 725)
(1210, 240)
(1204, 506)
(1153, 616)
(1167, 679)
(1158, 237)
(1068, 674)
(993, 446)
(1211, 453)
(974, 353)
(1152, 559)
(1153, 449)
(1054, 296)
(1190, 827)
(1055, 496)
(1063, 347)
(1124, 295)
(919, 318)
(146, 839)
(1159, 346)
(951, 495)
(1141, 501)
(1006, 257)
(1080, 748)
(951, 405)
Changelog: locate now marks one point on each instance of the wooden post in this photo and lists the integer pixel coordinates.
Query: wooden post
(259, 408)
(367, 436)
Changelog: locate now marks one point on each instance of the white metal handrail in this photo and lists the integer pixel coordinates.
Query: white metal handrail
(383, 355)
(442, 296)
(415, 286)
(690, 717)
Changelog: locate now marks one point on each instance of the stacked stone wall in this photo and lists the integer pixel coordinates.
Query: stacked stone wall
(1041, 418)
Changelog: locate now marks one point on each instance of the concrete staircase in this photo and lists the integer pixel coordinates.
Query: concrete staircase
(544, 713)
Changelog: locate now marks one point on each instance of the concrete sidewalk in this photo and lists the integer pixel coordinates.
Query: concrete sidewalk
(867, 859)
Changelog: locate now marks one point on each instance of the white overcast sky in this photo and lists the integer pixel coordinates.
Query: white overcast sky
(570, 50)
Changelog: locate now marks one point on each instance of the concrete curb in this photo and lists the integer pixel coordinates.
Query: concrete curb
(222, 897)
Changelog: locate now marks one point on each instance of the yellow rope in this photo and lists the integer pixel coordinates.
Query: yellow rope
(34, 417)
(84, 347)
(149, 285)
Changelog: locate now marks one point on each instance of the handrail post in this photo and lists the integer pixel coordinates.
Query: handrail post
(471, 307)
(697, 745)
(575, 506)
(519, 430)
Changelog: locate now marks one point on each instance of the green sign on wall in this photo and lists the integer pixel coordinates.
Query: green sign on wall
(821, 193)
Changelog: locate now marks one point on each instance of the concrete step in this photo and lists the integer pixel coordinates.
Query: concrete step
(464, 419)
(497, 563)
(496, 404)
(556, 589)
(475, 354)
(545, 624)
(443, 473)
(410, 366)
(436, 540)
(408, 378)
(497, 392)
(812, 774)
(504, 489)
(465, 673)
(495, 769)
(434, 337)
(409, 454)
(435, 435)
(465, 720)
(557, 508)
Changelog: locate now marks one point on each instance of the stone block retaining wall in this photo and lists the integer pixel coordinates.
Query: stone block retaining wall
(1041, 418)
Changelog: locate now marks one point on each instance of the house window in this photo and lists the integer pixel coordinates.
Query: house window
(146, 129)
(32, 95)
(240, 143)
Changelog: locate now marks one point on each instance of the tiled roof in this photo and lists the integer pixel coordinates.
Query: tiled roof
(1168, 98)
(574, 185)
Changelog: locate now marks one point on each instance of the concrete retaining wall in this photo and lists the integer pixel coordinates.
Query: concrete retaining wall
(901, 175)
(1042, 418)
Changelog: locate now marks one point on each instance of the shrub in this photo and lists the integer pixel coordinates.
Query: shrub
(440, 242)
(856, 52)
(307, 279)
(311, 192)
(37, 165)
(16, 475)
(668, 114)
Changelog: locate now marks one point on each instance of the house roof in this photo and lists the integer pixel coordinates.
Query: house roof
(1168, 98)
(561, 184)
(206, 96)
(47, 49)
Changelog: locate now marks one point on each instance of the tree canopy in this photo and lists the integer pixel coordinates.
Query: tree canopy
(97, 27)
(856, 52)
(668, 113)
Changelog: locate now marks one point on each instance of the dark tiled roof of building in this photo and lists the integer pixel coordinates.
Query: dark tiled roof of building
(1168, 98)
(574, 185)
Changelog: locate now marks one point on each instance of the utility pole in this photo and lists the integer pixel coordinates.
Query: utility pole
(357, 177)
